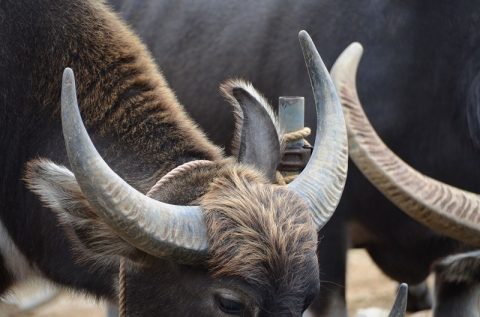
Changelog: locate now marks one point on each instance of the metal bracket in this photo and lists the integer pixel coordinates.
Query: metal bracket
(295, 159)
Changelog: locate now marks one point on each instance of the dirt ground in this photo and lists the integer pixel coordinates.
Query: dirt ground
(367, 288)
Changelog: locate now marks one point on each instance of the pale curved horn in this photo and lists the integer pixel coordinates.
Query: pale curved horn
(444, 208)
(321, 182)
(157, 228)
(400, 304)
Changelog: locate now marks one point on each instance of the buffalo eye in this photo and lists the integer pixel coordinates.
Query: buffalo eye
(229, 304)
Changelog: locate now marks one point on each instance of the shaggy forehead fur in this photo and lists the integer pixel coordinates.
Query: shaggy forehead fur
(258, 232)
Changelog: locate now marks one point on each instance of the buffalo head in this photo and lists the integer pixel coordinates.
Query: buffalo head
(217, 238)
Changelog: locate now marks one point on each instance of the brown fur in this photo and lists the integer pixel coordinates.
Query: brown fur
(126, 104)
(257, 231)
(121, 92)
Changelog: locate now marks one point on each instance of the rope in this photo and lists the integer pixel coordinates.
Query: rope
(175, 172)
(122, 283)
(297, 135)
(284, 179)
(122, 276)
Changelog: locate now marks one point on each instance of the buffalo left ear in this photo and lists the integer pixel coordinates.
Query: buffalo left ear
(256, 139)
(92, 238)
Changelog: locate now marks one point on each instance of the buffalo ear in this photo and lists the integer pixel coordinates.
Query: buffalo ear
(58, 190)
(256, 139)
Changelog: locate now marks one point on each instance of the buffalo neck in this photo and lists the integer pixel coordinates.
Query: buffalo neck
(129, 110)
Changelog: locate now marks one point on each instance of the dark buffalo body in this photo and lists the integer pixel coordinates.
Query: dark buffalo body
(30, 62)
(419, 81)
(217, 239)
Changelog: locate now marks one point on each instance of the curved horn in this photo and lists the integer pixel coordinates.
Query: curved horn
(444, 208)
(157, 228)
(400, 304)
(321, 182)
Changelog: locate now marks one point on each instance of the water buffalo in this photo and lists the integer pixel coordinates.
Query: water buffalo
(212, 237)
(438, 205)
(419, 82)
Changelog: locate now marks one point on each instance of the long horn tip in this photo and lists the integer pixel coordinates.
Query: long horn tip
(345, 68)
(68, 76)
(68, 87)
(310, 53)
(349, 58)
(353, 53)
(403, 288)
(355, 46)
(69, 93)
(305, 39)
(400, 304)
(302, 35)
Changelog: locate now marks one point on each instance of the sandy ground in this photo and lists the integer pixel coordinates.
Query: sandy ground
(367, 288)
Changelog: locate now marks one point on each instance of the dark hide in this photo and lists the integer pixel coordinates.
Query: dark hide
(472, 85)
(27, 131)
(419, 297)
(418, 81)
(458, 280)
(262, 239)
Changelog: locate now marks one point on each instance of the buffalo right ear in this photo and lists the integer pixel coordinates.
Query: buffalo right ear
(58, 189)
(257, 137)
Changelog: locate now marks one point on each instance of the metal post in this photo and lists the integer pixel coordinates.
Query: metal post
(291, 115)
